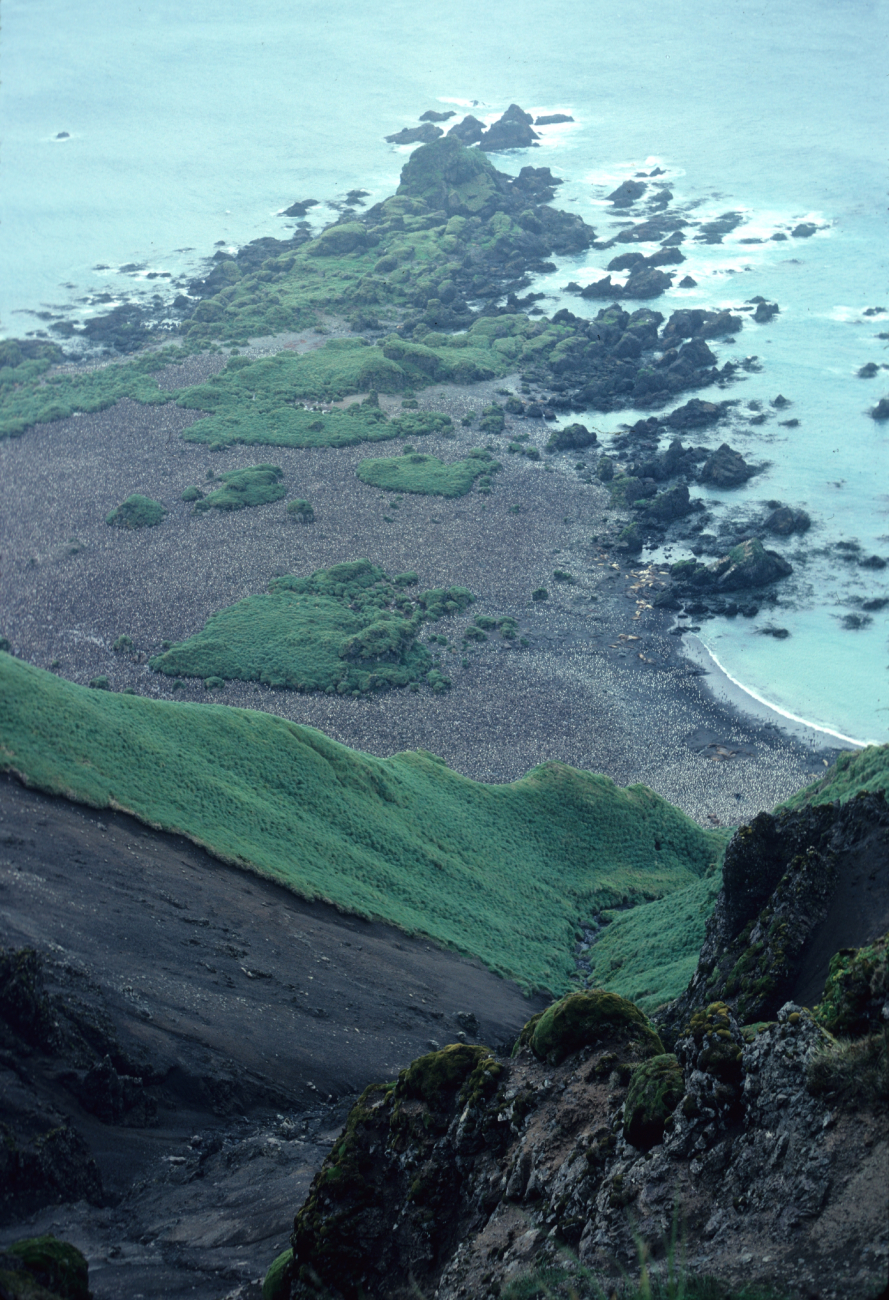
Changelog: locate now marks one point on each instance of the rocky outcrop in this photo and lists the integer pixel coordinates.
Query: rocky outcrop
(472, 1172)
(726, 468)
(784, 875)
(424, 134)
(627, 193)
(747, 565)
(511, 131)
(785, 520)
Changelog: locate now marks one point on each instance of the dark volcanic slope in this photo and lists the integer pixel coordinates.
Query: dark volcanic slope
(258, 1012)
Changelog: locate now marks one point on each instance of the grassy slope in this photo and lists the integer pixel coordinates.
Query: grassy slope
(502, 872)
(416, 472)
(650, 953)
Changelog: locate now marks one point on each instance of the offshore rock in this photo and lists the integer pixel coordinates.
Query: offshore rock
(726, 468)
(748, 564)
(424, 134)
(511, 131)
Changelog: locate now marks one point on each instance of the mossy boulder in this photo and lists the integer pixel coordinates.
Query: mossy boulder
(137, 512)
(574, 437)
(592, 1019)
(656, 1089)
(432, 1077)
(46, 1267)
(448, 177)
(276, 1283)
(302, 510)
(856, 991)
(717, 1044)
(335, 241)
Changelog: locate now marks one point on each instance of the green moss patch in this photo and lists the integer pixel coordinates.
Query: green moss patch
(258, 485)
(856, 990)
(498, 871)
(656, 1088)
(137, 512)
(592, 1019)
(54, 1265)
(270, 401)
(345, 629)
(27, 397)
(276, 1283)
(416, 472)
(853, 772)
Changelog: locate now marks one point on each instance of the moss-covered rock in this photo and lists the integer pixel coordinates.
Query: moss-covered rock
(714, 1043)
(656, 1089)
(431, 1076)
(592, 1019)
(276, 1283)
(58, 1268)
(857, 990)
(137, 512)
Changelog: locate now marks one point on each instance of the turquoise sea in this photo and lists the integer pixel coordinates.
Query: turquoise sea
(190, 125)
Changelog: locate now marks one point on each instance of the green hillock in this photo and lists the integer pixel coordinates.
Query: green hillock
(264, 402)
(853, 771)
(416, 472)
(590, 1019)
(137, 512)
(48, 1269)
(348, 629)
(498, 871)
(257, 485)
(649, 953)
(28, 398)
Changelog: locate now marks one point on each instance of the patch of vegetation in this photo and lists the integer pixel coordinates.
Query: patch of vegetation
(854, 771)
(257, 485)
(420, 473)
(100, 684)
(649, 953)
(276, 1283)
(272, 401)
(539, 593)
(346, 629)
(656, 1088)
(191, 494)
(853, 1073)
(302, 510)
(856, 991)
(137, 512)
(28, 398)
(57, 1268)
(123, 644)
(498, 871)
(590, 1019)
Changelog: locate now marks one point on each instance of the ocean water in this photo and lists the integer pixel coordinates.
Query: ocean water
(191, 126)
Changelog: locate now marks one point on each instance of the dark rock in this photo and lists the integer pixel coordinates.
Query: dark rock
(748, 564)
(63, 135)
(670, 505)
(627, 193)
(872, 562)
(695, 414)
(869, 370)
(553, 119)
(511, 131)
(469, 131)
(779, 633)
(881, 410)
(536, 183)
(424, 134)
(114, 1097)
(432, 115)
(804, 230)
(665, 257)
(574, 437)
(779, 237)
(687, 283)
(625, 261)
(300, 208)
(711, 232)
(780, 402)
(765, 311)
(726, 468)
(854, 622)
(784, 520)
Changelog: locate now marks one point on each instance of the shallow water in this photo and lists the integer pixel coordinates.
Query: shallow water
(188, 127)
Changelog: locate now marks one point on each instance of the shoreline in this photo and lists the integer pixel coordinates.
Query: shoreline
(745, 700)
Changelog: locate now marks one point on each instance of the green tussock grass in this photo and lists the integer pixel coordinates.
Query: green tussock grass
(649, 954)
(348, 629)
(262, 402)
(27, 398)
(416, 472)
(500, 872)
(854, 771)
(257, 485)
(137, 512)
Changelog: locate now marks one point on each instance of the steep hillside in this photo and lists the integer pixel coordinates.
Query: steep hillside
(505, 873)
